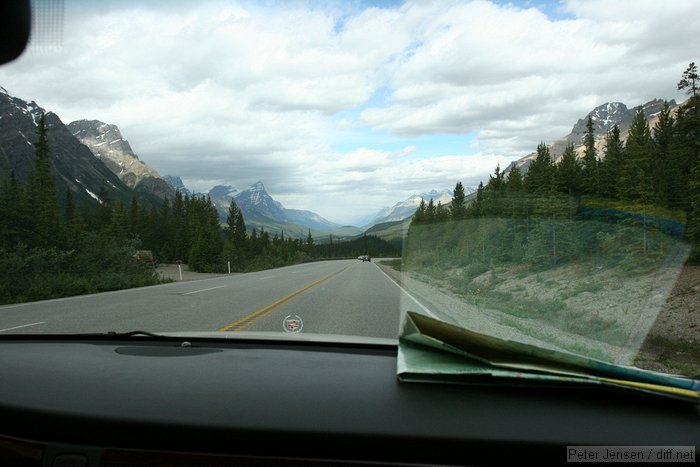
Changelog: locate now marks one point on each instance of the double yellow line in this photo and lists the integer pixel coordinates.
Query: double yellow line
(248, 320)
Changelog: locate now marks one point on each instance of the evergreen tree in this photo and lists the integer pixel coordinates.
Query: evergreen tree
(458, 209)
(662, 172)
(540, 175)
(419, 216)
(514, 180)
(636, 180)
(589, 171)
(14, 212)
(569, 173)
(232, 220)
(42, 193)
(119, 226)
(309, 242)
(610, 165)
(690, 81)
(135, 219)
(477, 208)
(497, 182)
(442, 213)
(430, 212)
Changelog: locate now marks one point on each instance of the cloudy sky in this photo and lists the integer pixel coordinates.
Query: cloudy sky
(345, 107)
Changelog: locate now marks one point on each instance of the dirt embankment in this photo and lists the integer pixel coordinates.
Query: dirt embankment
(673, 342)
(649, 320)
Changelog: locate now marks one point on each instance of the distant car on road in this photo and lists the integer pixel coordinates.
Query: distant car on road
(364, 258)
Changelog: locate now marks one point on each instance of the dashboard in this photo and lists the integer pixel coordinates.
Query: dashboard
(169, 401)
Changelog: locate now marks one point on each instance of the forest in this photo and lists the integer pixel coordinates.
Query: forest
(627, 205)
(50, 250)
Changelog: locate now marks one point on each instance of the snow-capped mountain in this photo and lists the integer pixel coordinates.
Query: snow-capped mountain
(406, 208)
(107, 144)
(261, 210)
(604, 117)
(73, 165)
(255, 202)
(222, 191)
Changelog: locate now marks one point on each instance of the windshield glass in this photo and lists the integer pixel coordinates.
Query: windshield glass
(528, 170)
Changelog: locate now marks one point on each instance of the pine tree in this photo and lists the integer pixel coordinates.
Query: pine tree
(568, 173)
(231, 220)
(610, 165)
(636, 181)
(430, 212)
(497, 182)
(419, 216)
(477, 208)
(16, 225)
(589, 171)
(540, 175)
(458, 209)
(662, 172)
(690, 81)
(119, 225)
(42, 192)
(442, 213)
(309, 243)
(514, 180)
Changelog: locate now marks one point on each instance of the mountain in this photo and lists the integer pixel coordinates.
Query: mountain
(604, 117)
(73, 165)
(107, 144)
(176, 183)
(260, 210)
(406, 208)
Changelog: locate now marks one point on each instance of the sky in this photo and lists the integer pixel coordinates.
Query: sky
(345, 107)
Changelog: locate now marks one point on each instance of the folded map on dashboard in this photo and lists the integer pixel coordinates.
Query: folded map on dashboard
(431, 350)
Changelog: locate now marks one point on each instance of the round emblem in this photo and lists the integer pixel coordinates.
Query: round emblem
(292, 323)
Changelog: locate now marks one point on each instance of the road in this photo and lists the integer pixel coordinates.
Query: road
(347, 297)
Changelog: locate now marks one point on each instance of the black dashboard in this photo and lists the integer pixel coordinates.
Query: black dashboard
(141, 401)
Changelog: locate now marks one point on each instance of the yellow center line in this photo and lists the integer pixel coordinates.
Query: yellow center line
(246, 321)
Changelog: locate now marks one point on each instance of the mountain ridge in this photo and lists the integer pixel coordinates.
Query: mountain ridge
(107, 143)
(73, 165)
(604, 117)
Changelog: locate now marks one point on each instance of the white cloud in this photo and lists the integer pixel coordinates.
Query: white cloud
(226, 92)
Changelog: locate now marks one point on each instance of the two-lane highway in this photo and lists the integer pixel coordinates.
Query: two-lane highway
(332, 297)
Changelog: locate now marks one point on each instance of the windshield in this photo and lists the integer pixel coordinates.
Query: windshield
(527, 170)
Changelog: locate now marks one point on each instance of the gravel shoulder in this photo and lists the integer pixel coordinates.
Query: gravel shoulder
(170, 271)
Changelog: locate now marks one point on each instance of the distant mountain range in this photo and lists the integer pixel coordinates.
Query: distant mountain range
(604, 117)
(405, 209)
(260, 210)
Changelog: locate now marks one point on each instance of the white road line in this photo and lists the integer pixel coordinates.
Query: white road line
(406, 292)
(265, 278)
(203, 290)
(22, 326)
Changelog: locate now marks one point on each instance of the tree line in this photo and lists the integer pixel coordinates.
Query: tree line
(625, 204)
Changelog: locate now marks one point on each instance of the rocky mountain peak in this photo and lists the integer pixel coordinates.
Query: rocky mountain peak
(605, 117)
(107, 144)
(177, 184)
(223, 191)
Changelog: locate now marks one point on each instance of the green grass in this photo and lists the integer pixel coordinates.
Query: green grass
(576, 347)
(393, 263)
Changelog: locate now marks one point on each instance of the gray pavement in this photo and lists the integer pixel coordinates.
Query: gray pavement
(332, 297)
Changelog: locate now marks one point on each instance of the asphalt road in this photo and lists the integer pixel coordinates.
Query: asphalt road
(347, 297)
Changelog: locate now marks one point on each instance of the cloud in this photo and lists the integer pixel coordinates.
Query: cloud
(224, 92)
